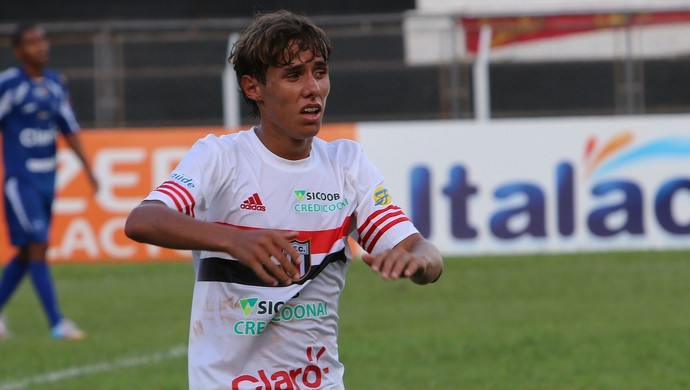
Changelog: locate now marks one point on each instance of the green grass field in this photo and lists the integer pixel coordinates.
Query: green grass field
(581, 321)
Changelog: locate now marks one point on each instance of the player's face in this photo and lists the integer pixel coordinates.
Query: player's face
(33, 49)
(293, 99)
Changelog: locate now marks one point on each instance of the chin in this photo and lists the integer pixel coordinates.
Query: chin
(315, 130)
(311, 127)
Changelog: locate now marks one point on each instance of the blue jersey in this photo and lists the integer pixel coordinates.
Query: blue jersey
(32, 111)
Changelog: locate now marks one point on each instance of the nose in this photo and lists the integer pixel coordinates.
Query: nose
(311, 85)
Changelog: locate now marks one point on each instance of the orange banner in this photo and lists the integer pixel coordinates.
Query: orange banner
(514, 29)
(128, 163)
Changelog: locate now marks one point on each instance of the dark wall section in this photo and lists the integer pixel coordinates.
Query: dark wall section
(557, 88)
(178, 82)
(71, 10)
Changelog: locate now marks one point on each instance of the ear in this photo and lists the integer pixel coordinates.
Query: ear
(251, 88)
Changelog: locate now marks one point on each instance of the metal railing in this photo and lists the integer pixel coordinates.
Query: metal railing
(169, 73)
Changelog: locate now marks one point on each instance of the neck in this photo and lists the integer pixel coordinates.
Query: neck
(33, 70)
(284, 146)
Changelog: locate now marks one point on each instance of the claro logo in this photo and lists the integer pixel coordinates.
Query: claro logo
(310, 376)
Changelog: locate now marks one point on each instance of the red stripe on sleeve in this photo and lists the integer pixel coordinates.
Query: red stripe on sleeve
(183, 194)
(374, 226)
(373, 216)
(384, 229)
(171, 196)
(190, 198)
(180, 191)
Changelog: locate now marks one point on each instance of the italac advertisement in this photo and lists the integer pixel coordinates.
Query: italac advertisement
(499, 187)
(529, 186)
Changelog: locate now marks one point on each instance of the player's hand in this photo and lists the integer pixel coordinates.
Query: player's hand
(269, 254)
(396, 263)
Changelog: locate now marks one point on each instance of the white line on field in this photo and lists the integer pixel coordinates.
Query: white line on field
(76, 372)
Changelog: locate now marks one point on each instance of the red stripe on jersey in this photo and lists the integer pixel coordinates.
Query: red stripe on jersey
(374, 215)
(188, 209)
(189, 199)
(176, 196)
(383, 229)
(321, 241)
(369, 227)
(171, 196)
(182, 194)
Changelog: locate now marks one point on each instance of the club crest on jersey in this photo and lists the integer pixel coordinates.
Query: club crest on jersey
(381, 196)
(304, 249)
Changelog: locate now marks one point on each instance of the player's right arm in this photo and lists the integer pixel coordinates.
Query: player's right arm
(155, 223)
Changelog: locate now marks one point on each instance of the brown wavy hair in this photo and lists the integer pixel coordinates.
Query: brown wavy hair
(267, 42)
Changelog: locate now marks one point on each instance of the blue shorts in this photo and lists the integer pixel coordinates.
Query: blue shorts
(28, 211)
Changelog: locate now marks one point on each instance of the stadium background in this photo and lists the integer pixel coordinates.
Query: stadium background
(134, 64)
(146, 79)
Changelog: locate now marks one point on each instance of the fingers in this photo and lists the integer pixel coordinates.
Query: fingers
(394, 264)
(287, 247)
(263, 274)
(281, 262)
(271, 256)
(270, 270)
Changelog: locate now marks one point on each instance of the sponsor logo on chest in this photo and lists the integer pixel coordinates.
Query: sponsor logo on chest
(318, 202)
(253, 203)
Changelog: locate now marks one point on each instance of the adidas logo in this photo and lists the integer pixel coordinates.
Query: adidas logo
(253, 203)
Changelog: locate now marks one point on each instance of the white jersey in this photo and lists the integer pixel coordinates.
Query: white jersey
(243, 334)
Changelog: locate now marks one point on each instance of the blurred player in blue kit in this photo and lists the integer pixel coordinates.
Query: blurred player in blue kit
(34, 107)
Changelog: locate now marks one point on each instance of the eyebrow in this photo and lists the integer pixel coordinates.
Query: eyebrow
(321, 63)
(300, 66)
(292, 68)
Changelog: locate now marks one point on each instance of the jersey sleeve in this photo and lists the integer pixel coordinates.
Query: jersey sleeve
(65, 118)
(5, 93)
(381, 224)
(188, 183)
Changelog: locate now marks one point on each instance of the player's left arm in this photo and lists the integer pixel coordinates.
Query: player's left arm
(414, 257)
(74, 142)
(67, 122)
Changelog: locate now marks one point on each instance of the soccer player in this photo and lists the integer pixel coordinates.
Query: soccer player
(34, 106)
(267, 213)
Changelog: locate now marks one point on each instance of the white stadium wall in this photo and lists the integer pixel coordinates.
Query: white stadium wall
(543, 6)
(434, 31)
(551, 185)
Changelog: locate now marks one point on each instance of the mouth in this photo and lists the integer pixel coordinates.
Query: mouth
(311, 111)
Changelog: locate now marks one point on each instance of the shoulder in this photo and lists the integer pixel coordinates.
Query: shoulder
(223, 141)
(345, 149)
(56, 77)
(208, 143)
(226, 145)
(9, 76)
(349, 157)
